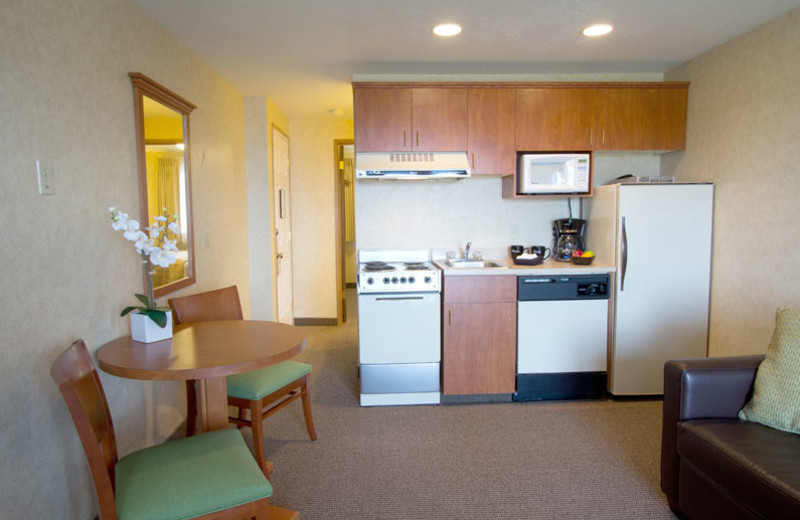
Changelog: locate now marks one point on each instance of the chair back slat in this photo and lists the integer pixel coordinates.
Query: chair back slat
(80, 386)
(217, 305)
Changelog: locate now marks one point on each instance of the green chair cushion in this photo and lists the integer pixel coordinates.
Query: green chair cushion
(188, 478)
(259, 383)
(776, 389)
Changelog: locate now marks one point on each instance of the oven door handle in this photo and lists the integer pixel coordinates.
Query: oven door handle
(385, 298)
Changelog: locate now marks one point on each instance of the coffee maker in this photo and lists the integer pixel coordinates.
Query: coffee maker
(568, 236)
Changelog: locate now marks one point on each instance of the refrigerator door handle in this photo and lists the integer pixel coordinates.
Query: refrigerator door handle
(624, 255)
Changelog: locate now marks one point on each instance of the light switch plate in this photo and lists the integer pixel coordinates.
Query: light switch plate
(44, 175)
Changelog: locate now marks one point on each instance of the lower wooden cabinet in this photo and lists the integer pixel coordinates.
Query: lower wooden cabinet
(479, 341)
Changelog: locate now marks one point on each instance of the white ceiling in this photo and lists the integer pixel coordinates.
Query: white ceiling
(303, 54)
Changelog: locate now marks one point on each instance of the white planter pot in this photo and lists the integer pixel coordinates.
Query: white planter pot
(145, 330)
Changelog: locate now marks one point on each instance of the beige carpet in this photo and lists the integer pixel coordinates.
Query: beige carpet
(546, 460)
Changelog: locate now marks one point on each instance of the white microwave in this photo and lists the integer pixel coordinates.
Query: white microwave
(553, 173)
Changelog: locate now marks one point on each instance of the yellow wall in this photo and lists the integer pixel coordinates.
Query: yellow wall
(314, 214)
(66, 98)
(743, 128)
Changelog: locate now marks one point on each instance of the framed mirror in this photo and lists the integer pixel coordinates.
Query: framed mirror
(162, 145)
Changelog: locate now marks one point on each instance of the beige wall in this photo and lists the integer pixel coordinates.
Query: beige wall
(261, 117)
(66, 98)
(313, 214)
(743, 128)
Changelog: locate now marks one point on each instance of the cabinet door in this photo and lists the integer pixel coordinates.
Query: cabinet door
(490, 130)
(554, 119)
(479, 353)
(382, 118)
(439, 119)
(641, 118)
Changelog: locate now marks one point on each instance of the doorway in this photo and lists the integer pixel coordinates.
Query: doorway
(344, 175)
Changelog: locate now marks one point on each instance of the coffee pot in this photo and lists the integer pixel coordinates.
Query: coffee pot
(568, 237)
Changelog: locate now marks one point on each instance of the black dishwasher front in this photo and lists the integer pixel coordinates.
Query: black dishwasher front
(562, 337)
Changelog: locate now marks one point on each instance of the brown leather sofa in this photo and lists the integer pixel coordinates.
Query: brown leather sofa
(714, 465)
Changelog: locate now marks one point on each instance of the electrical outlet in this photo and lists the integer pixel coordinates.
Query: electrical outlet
(44, 175)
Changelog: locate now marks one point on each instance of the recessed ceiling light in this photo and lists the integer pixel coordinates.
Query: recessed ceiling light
(599, 29)
(447, 29)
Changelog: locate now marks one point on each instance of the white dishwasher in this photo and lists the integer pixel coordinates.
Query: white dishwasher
(562, 337)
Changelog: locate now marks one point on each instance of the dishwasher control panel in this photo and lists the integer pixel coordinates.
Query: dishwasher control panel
(577, 287)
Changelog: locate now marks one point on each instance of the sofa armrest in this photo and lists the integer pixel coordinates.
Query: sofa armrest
(697, 389)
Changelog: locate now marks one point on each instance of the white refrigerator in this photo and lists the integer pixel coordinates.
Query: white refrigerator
(659, 238)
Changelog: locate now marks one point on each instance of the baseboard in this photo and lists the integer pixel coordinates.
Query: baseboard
(475, 398)
(316, 322)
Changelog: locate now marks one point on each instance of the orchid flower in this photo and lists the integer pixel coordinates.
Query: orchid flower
(156, 249)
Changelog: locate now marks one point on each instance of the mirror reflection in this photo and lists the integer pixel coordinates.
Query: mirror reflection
(162, 135)
(166, 181)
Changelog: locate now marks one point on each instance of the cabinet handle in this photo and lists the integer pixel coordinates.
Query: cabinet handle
(473, 160)
(449, 317)
(604, 137)
(405, 138)
(417, 137)
(591, 137)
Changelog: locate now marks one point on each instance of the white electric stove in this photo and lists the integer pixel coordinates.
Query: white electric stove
(399, 329)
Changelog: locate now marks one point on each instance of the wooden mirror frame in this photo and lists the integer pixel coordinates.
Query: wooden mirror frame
(144, 86)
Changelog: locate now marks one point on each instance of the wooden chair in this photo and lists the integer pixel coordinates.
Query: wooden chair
(210, 476)
(263, 391)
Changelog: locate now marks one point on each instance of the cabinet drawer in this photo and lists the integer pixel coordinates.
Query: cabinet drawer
(480, 289)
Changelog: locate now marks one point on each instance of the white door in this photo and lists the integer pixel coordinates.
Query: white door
(283, 227)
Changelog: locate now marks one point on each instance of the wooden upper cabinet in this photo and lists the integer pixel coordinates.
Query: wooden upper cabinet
(641, 118)
(410, 119)
(439, 119)
(554, 119)
(382, 119)
(537, 117)
(635, 117)
(490, 130)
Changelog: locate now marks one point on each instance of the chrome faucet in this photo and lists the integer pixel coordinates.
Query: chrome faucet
(466, 250)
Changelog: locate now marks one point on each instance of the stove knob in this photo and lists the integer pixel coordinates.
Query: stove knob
(411, 279)
(386, 280)
(370, 281)
(403, 280)
(394, 280)
(428, 279)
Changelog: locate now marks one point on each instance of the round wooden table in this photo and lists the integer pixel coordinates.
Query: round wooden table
(208, 352)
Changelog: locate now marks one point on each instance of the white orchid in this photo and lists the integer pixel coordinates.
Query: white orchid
(156, 249)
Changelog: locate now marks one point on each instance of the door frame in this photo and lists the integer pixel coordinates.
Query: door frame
(274, 220)
(338, 190)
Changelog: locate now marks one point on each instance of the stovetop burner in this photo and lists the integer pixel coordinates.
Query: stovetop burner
(417, 266)
(378, 268)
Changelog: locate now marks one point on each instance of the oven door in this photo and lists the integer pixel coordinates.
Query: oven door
(399, 328)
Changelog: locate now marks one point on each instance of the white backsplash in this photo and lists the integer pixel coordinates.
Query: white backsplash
(444, 215)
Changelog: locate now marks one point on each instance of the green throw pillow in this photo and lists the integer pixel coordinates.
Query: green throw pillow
(776, 391)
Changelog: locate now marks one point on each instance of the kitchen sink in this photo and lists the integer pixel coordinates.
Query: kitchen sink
(465, 263)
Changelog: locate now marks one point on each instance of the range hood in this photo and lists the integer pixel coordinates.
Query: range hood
(412, 165)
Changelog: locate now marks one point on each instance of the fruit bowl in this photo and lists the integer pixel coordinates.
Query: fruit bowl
(582, 260)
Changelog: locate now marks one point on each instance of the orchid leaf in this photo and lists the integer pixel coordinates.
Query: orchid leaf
(159, 317)
(142, 298)
(128, 310)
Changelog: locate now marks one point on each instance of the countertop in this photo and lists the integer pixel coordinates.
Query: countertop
(548, 267)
